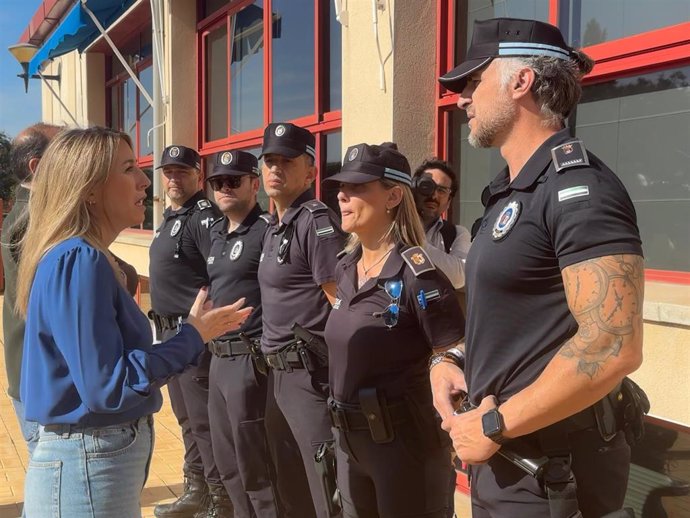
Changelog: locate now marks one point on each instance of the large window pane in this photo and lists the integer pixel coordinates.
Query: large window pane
(588, 22)
(247, 69)
(466, 12)
(129, 102)
(145, 113)
(293, 59)
(640, 127)
(114, 95)
(331, 165)
(335, 78)
(217, 84)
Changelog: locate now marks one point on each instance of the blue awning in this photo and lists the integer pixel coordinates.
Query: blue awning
(76, 30)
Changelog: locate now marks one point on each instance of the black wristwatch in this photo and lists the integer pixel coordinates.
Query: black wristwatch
(493, 426)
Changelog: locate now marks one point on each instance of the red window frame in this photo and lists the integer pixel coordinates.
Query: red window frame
(636, 54)
(320, 122)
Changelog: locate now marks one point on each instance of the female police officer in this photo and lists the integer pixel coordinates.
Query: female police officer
(392, 308)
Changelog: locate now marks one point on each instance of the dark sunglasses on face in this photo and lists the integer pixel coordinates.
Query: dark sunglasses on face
(393, 288)
(219, 182)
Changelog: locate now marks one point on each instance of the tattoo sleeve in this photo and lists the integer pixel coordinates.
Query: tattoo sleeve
(605, 296)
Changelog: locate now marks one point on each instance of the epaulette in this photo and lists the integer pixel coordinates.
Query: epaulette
(570, 154)
(204, 204)
(315, 206)
(266, 217)
(418, 260)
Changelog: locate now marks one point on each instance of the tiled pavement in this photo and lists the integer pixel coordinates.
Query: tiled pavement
(165, 477)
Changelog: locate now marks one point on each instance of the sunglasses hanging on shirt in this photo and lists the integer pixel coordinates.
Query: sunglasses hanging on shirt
(393, 288)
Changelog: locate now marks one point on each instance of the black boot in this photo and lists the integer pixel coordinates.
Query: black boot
(192, 500)
(219, 504)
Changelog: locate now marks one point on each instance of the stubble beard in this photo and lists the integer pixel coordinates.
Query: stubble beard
(485, 134)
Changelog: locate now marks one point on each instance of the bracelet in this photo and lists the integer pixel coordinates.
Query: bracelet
(456, 356)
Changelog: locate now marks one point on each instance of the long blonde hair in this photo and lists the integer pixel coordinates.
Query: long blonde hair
(76, 162)
(406, 226)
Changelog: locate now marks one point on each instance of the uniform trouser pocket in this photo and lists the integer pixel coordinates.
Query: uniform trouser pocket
(42, 487)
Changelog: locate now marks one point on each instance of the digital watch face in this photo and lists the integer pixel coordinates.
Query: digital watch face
(491, 423)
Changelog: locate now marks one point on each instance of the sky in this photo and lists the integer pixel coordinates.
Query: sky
(17, 109)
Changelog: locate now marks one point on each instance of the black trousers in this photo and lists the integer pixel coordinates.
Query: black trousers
(302, 399)
(410, 477)
(189, 400)
(236, 409)
(502, 490)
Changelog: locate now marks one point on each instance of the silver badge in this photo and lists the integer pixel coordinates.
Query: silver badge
(174, 152)
(506, 220)
(226, 158)
(176, 228)
(353, 154)
(280, 130)
(236, 251)
(211, 260)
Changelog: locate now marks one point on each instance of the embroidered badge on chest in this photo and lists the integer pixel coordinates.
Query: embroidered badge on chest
(506, 220)
(236, 251)
(176, 228)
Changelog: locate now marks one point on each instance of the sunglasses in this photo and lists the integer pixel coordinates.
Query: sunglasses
(219, 182)
(393, 288)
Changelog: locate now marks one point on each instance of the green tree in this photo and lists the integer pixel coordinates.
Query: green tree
(7, 179)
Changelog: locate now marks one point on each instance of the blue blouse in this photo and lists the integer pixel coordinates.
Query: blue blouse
(88, 354)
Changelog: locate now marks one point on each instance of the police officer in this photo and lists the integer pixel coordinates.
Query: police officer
(296, 275)
(393, 307)
(554, 285)
(238, 377)
(177, 270)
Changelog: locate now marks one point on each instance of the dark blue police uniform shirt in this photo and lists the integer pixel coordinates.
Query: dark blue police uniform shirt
(88, 357)
(233, 266)
(518, 316)
(364, 353)
(175, 282)
(291, 292)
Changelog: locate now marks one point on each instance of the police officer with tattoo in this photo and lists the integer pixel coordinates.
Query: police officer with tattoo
(555, 289)
(297, 279)
(238, 378)
(393, 308)
(177, 270)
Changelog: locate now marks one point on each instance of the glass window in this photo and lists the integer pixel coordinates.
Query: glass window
(247, 69)
(211, 6)
(466, 12)
(129, 112)
(640, 127)
(588, 22)
(216, 84)
(331, 165)
(335, 77)
(145, 113)
(114, 94)
(293, 59)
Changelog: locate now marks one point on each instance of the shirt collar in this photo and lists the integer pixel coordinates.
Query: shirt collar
(188, 205)
(294, 209)
(539, 161)
(248, 221)
(391, 267)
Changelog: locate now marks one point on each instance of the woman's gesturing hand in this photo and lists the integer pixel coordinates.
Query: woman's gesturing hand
(212, 323)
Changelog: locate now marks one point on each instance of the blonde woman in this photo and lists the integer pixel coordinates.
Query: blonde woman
(90, 376)
(393, 308)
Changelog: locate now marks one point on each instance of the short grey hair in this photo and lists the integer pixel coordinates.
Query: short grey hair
(557, 86)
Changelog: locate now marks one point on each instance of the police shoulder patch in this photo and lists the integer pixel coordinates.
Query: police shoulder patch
(570, 154)
(204, 204)
(418, 260)
(315, 206)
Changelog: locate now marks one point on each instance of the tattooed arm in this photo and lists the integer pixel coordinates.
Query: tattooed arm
(605, 296)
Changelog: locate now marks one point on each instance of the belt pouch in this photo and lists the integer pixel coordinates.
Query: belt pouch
(375, 410)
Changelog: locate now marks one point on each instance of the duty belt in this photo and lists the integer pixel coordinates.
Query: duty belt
(228, 348)
(350, 418)
(292, 356)
(163, 323)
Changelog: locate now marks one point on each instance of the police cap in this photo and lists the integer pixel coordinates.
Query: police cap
(234, 163)
(364, 163)
(506, 37)
(180, 155)
(288, 140)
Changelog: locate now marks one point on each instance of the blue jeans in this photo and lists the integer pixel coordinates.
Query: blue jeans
(84, 472)
(29, 429)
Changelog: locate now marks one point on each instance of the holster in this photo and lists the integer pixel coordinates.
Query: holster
(375, 409)
(325, 464)
(255, 351)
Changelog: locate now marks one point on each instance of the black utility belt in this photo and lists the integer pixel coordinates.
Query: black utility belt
(165, 323)
(228, 348)
(352, 418)
(294, 355)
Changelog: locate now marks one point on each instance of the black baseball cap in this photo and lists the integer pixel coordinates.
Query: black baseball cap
(180, 155)
(234, 163)
(502, 38)
(283, 138)
(364, 163)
